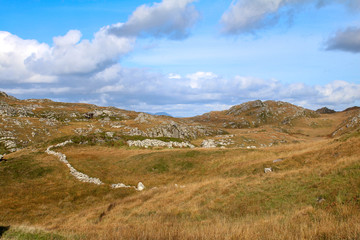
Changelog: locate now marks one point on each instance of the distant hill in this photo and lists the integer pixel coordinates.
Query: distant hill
(162, 114)
(32, 121)
(325, 110)
(257, 113)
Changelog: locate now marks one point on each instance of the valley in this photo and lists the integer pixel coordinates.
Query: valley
(204, 177)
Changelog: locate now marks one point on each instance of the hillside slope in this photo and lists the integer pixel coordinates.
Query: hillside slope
(291, 174)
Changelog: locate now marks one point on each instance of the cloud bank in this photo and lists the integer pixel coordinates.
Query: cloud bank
(249, 16)
(73, 69)
(170, 18)
(192, 94)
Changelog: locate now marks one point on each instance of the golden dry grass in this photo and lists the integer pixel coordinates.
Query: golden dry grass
(220, 194)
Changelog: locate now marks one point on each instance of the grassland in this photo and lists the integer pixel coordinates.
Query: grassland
(314, 193)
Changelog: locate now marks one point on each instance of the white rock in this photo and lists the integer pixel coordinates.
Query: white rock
(267, 170)
(208, 143)
(158, 143)
(109, 134)
(140, 186)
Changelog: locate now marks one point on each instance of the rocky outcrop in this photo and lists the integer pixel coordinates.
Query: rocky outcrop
(144, 118)
(208, 143)
(158, 143)
(8, 140)
(224, 141)
(176, 130)
(350, 124)
(105, 113)
(5, 95)
(325, 110)
(257, 113)
(15, 111)
(239, 109)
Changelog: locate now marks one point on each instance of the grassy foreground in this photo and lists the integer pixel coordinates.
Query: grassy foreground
(313, 193)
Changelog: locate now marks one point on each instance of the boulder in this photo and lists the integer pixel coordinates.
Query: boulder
(140, 186)
(267, 170)
(144, 118)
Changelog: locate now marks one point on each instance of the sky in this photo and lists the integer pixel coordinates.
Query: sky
(183, 57)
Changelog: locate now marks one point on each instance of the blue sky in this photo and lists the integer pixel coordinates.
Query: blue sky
(184, 57)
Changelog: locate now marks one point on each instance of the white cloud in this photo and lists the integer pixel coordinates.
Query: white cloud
(169, 18)
(174, 76)
(109, 74)
(193, 94)
(248, 16)
(111, 88)
(345, 40)
(339, 92)
(13, 53)
(38, 90)
(200, 79)
(69, 56)
(29, 61)
(72, 37)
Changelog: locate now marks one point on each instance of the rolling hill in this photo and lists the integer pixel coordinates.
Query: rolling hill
(260, 170)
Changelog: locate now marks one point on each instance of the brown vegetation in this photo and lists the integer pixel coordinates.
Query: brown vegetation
(313, 191)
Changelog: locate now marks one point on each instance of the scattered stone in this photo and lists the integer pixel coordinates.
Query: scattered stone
(140, 186)
(278, 160)
(267, 170)
(109, 134)
(251, 147)
(82, 176)
(320, 199)
(208, 143)
(158, 143)
(78, 175)
(120, 185)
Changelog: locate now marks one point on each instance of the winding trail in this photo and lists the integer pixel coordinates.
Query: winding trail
(82, 177)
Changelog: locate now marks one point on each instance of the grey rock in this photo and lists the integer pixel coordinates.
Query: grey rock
(109, 134)
(144, 118)
(158, 143)
(278, 160)
(208, 143)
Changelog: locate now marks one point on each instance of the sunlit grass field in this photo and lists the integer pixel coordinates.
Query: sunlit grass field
(313, 193)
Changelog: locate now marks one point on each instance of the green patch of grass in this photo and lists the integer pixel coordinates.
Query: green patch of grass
(23, 168)
(160, 166)
(22, 234)
(186, 165)
(339, 187)
(347, 136)
(192, 154)
(3, 149)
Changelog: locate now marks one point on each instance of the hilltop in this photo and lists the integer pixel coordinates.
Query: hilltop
(33, 121)
(259, 170)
